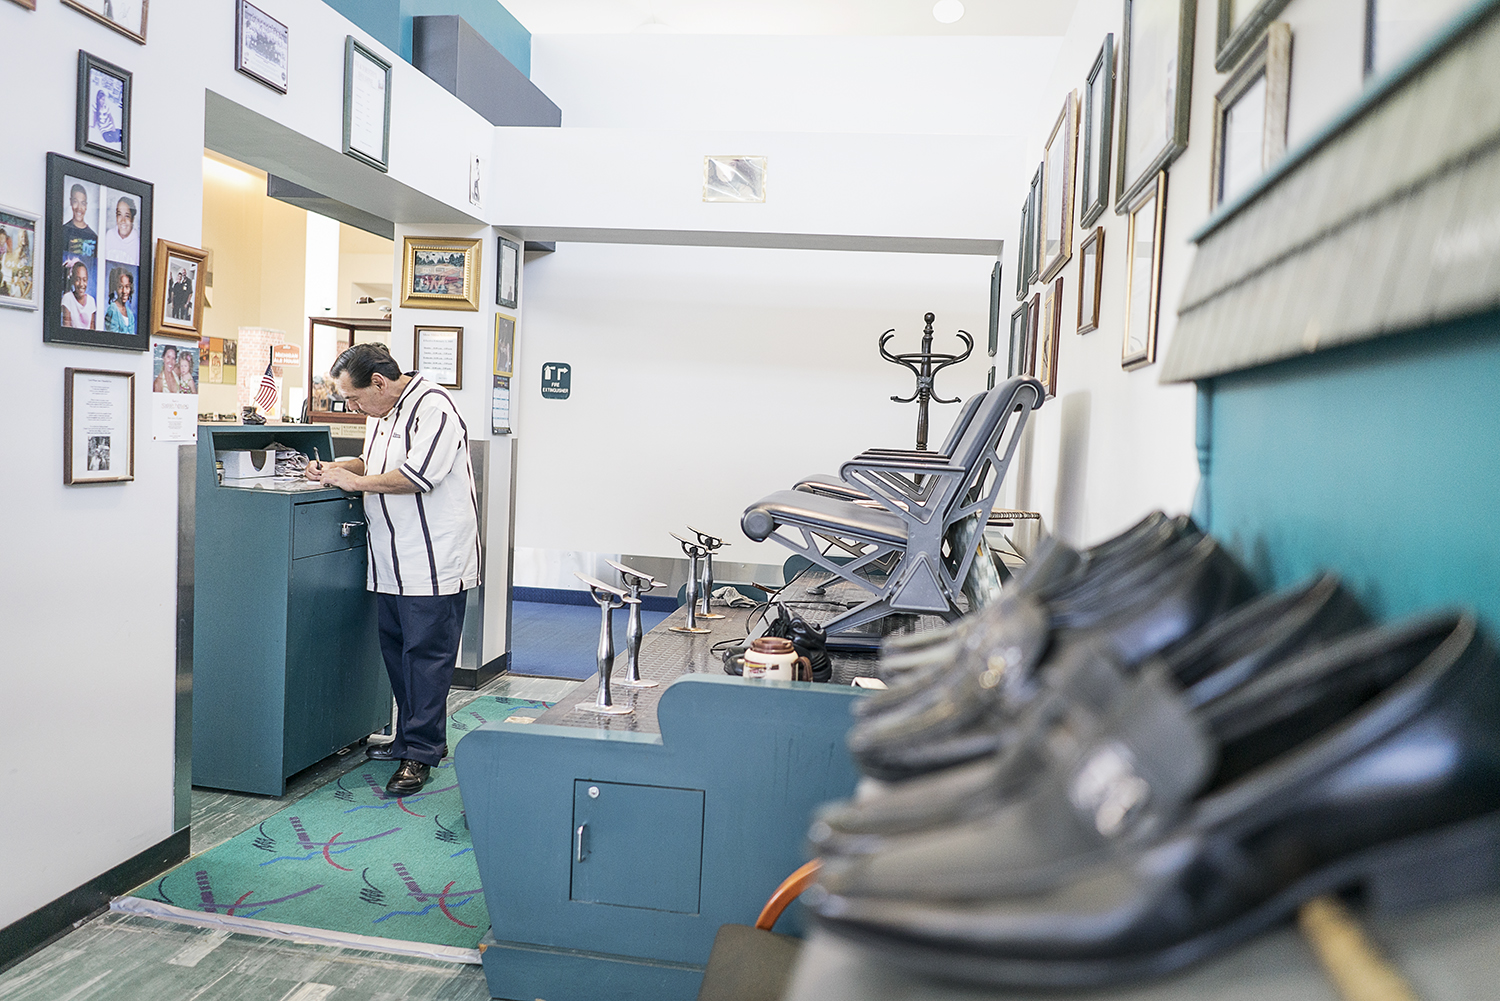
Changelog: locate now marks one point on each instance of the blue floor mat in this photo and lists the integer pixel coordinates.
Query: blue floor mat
(560, 641)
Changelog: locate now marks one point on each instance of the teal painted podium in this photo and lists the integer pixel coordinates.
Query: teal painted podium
(286, 659)
(611, 854)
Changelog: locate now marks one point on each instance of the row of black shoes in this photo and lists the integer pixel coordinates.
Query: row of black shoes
(1131, 762)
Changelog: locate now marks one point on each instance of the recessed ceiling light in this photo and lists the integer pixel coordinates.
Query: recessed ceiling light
(947, 11)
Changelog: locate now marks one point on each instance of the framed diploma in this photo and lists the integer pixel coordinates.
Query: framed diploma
(367, 105)
(98, 426)
(440, 355)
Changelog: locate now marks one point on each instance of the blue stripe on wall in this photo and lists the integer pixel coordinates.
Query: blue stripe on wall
(1380, 461)
(389, 21)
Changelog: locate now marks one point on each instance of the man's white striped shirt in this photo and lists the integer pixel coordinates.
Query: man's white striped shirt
(428, 542)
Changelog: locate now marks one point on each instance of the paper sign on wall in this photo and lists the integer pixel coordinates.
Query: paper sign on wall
(557, 380)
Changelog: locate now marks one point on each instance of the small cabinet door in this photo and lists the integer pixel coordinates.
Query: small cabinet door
(336, 685)
(637, 846)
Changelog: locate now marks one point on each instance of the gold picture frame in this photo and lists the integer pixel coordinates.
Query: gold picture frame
(176, 309)
(1143, 275)
(1055, 232)
(440, 273)
(131, 24)
(1051, 335)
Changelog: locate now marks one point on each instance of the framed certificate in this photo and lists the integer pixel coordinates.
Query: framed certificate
(509, 275)
(440, 355)
(98, 426)
(367, 105)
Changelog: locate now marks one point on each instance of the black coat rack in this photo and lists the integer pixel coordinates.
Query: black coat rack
(925, 366)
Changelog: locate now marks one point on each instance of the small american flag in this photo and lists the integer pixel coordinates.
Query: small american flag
(265, 396)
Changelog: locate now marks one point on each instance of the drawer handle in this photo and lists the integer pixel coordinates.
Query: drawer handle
(578, 838)
(346, 527)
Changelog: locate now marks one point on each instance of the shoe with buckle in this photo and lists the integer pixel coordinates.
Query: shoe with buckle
(1371, 764)
(410, 777)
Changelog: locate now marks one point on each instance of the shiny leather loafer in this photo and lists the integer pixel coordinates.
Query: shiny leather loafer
(969, 711)
(410, 777)
(1081, 688)
(1371, 764)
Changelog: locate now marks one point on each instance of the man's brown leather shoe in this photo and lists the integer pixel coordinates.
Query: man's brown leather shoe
(409, 778)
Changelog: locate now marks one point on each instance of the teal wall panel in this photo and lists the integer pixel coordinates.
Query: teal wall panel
(1380, 461)
(381, 18)
(390, 22)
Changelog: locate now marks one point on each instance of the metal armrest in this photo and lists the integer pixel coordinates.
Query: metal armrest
(822, 514)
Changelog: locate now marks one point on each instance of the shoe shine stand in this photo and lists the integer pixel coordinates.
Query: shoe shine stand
(637, 584)
(608, 598)
(695, 552)
(710, 545)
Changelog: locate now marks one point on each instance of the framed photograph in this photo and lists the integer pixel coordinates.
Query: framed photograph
(1016, 359)
(28, 4)
(1047, 345)
(505, 344)
(1240, 24)
(440, 355)
(93, 285)
(1143, 276)
(1156, 75)
(1250, 113)
(1033, 328)
(508, 278)
(1097, 134)
(1057, 190)
(995, 292)
(18, 249)
(438, 273)
(1033, 229)
(367, 105)
(128, 17)
(177, 310)
(734, 178)
(262, 46)
(98, 426)
(102, 121)
(1090, 265)
(1021, 249)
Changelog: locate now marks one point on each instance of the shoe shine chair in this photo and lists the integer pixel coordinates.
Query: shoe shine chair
(912, 536)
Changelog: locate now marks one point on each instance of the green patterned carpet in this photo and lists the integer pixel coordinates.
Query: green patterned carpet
(348, 859)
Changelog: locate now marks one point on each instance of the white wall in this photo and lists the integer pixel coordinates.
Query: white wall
(706, 377)
(87, 603)
(1115, 444)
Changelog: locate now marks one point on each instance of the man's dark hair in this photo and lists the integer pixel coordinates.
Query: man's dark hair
(362, 361)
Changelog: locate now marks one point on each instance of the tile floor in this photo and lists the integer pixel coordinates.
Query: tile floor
(118, 957)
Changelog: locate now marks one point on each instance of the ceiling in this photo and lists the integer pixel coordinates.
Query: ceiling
(789, 17)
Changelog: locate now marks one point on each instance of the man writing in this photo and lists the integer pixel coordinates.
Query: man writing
(422, 520)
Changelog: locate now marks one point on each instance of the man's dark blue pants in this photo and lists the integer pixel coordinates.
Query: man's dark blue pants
(419, 639)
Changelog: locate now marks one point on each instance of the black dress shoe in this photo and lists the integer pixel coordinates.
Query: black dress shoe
(1082, 687)
(969, 712)
(1371, 764)
(386, 752)
(409, 778)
